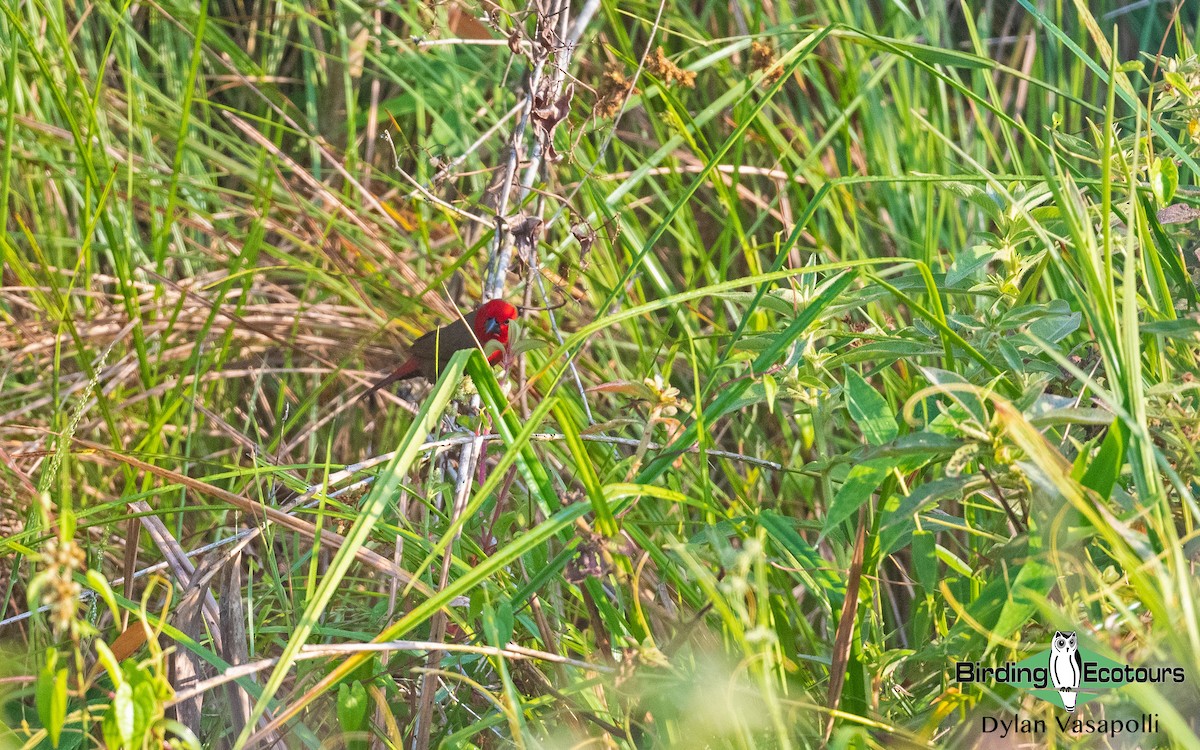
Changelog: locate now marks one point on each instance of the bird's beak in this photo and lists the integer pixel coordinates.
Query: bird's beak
(491, 327)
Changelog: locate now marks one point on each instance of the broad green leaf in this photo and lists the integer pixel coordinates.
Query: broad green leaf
(1103, 470)
(984, 199)
(109, 661)
(146, 707)
(956, 388)
(869, 410)
(882, 353)
(1028, 591)
(1056, 328)
(110, 730)
(1178, 82)
(967, 262)
(352, 706)
(498, 623)
(1164, 178)
(924, 556)
(899, 523)
(123, 715)
(862, 480)
(52, 697)
(770, 391)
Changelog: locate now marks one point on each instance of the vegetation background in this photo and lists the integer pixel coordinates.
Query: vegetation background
(875, 350)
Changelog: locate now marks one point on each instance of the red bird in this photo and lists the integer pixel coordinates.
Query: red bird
(430, 354)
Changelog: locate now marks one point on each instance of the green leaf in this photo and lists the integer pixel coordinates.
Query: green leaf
(812, 566)
(146, 706)
(1180, 328)
(585, 471)
(870, 410)
(1177, 82)
(498, 623)
(51, 697)
(978, 196)
(352, 706)
(1005, 604)
(1021, 597)
(1055, 328)
(526, 345)
(182, 733)
(830, 291)
(1103, 470)
(66, 522)
(952, 387)
(110, 730)
(123, 714)
(968, 262)
(771, 389)
(932, 55)
(99, 584)
(1164, 179)
(109, 661)
(862, 480)
(882, 353)
(899, 523)
(1012, 356)
(924, 555)
(510, 428)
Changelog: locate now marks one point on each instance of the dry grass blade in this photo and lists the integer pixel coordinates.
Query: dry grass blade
(181, 565)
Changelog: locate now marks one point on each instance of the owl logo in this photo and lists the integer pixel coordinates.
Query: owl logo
(1065, 667)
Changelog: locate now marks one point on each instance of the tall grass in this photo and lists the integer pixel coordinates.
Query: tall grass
(878, 353)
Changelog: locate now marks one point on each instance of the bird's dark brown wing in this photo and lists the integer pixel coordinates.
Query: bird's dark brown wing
(435, 348)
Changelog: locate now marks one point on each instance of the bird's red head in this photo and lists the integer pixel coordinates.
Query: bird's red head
(491, 321)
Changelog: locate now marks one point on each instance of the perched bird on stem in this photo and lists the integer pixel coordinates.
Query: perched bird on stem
(430, 353)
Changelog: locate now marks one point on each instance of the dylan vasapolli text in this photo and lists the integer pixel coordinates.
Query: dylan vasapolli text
(998, 725)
